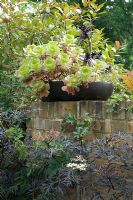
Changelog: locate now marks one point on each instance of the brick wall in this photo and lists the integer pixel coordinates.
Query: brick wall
(48, 116)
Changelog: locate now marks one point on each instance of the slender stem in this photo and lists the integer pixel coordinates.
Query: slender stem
(90, 50)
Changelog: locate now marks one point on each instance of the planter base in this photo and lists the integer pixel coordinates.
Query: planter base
(96, 91)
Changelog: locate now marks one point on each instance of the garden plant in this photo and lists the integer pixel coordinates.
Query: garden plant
(78, 55)
(30, 27)
(54, 168)
(49, 41)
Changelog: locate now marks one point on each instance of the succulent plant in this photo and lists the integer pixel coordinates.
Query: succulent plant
(77, 55)
(56, 60)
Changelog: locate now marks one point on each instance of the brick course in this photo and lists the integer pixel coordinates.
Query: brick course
(47, 116)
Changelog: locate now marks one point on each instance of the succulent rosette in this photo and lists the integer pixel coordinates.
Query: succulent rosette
(56, 60)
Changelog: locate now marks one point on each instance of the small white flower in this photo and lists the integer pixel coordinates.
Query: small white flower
(81, 165)
(78, 11)
(79, 158)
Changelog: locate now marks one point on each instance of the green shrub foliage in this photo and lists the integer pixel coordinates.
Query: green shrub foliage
(47, 170)
(44, 41)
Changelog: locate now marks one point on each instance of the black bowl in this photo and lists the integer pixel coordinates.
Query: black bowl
(96, 91)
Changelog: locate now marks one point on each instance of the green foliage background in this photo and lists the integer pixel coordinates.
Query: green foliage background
(117, 22)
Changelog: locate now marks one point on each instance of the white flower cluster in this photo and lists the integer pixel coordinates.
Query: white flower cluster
(79, 159)
(78, 163)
